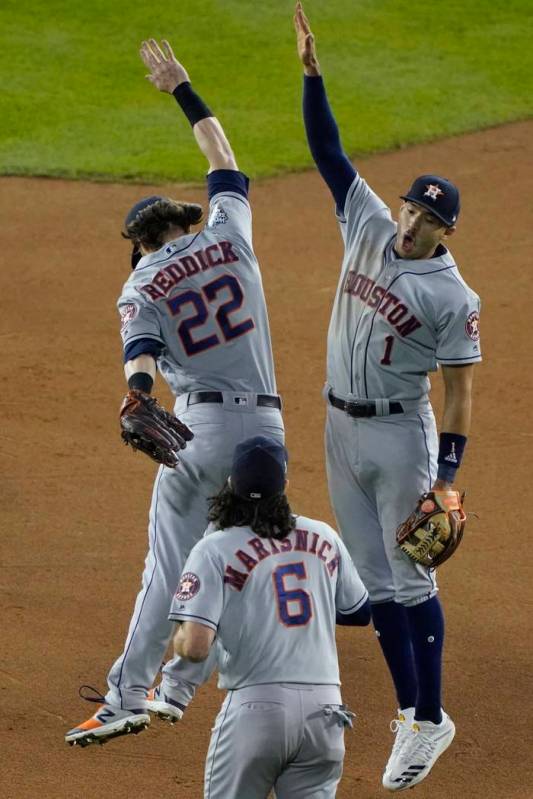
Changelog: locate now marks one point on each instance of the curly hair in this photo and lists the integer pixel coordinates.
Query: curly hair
(151, 225)
(268, 518)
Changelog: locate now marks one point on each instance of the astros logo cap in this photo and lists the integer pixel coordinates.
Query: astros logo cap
(259, 468)
(438, 195)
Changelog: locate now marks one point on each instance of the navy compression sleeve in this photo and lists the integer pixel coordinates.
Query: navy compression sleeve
(142, 346)
(324, 140)
(223, 180)
(361, 617)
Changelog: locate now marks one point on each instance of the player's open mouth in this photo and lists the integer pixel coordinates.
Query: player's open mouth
(408, 242)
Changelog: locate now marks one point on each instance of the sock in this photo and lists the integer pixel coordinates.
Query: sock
(426, 624)
(390, 622)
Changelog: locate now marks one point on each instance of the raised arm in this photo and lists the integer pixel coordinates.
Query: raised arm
(168, 75)
(320, 126)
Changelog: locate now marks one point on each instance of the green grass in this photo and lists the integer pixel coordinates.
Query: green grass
(75, 103)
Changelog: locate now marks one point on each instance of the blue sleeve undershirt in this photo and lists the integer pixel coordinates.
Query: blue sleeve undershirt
(324, 140)
(143, 346)
(227, 180)
(361, 617)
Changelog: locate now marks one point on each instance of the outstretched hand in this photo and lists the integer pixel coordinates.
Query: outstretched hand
(305, 42)
(166, 72)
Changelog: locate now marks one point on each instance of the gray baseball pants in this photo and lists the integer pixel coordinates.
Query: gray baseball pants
(178, 519)
(377, 469)
(286, 737)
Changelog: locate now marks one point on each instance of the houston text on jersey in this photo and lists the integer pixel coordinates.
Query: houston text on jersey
(359, 285)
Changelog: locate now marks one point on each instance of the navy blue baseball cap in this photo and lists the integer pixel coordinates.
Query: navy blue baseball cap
(259, 468)
(438, 195)
(140, 206)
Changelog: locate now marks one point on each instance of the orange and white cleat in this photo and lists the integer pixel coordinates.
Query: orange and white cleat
(108, 722)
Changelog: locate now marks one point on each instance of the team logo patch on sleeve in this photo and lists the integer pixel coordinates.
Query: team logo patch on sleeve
(127, 313)
(472, 326)
(188, 587)
(217, 217)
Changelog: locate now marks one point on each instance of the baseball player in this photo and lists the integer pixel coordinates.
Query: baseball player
(270, 586)
(193, 308)
(401, 310)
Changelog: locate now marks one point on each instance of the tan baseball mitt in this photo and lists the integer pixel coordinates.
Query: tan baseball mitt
(434, 530)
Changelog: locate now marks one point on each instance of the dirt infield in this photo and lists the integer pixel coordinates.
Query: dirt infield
(75, 501)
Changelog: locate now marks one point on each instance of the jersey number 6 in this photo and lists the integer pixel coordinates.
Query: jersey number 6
(210, 291)
(294, 605)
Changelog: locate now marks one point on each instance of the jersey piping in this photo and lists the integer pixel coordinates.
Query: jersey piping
(427, 451)
(459, 360)
(347, 611)
(147, 590)
(145, 335)
(154, 263)
(393, 281)
(216, 746)
(178, 617)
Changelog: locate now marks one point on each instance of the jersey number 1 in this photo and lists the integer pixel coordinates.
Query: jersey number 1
(389, 341)
(294, 605)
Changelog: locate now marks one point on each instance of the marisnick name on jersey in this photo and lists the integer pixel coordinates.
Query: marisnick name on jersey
(265, 547)
(374, 295)
(187, 266)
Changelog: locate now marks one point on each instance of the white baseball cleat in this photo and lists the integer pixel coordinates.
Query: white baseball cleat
(401, 726)
(163, 705)
(425, 743)
(108, 722)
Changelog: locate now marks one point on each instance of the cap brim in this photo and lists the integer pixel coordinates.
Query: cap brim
(430, 208)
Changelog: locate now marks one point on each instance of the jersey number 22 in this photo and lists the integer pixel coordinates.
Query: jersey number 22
(197, 300)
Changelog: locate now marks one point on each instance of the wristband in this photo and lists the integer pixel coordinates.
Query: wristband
(141, 381)
(451, 449)
(190, 103)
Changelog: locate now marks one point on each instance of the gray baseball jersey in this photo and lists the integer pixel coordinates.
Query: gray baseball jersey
(272, 603)
(394, 320)
(201, 296)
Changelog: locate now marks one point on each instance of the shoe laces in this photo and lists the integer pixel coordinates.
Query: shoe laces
(401, 729)
(422, 748)
(98, 697)
(397, 723)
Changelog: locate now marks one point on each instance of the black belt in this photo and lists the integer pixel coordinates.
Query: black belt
(263, 400)
(361, 408)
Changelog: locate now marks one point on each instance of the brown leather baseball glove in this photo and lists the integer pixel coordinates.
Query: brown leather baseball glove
(147, 426)
(434, 530)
